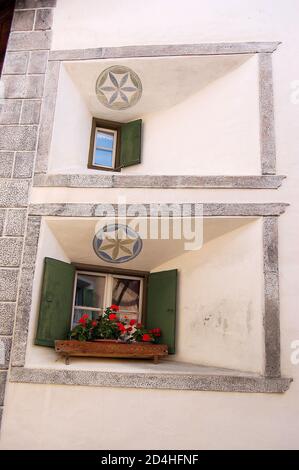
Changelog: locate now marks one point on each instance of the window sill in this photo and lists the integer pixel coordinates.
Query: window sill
(143, 374)
(158, 181)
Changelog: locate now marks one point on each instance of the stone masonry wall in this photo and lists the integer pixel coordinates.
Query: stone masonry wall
(21, 88)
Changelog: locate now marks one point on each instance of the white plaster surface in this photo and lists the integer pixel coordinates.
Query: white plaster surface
(186, 420)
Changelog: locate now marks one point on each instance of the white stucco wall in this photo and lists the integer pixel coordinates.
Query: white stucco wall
(220, 301)
(185, 419)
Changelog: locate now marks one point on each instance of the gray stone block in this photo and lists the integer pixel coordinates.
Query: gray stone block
(204, 381)
(270, 241)
(8, 284)
(29, 256)
(158, 181)
(6, 159)
(34, 86)
(21, 138)
(165, 50)
(14, 86)
(15, 222)
(20, 4)
(15, 63)
(7, 315)
(14, 193)
(76, 54)
(23, 167)
(23, 20)
(38, 62)
(30, 41)
(267, 125)
(5, 341)
(209, 209)
(47, 117)
(30, 112)
(10, 251)
(2, 218)
(74, 181)
(10, 111)
(3, 377)
(272, 324)
(44, 19)
(23, 86)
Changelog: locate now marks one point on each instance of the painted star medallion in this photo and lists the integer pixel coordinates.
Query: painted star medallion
(117, 243)
(118, 87)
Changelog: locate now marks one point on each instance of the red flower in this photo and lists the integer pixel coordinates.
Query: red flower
(94, 323)
(129, 329)
(112, 316)
(83, 319)
(146, 337)
(139, 325)
(114, 307)
(121, 327)
(132, 322)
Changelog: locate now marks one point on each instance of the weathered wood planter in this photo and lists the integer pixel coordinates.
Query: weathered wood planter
(69, 348)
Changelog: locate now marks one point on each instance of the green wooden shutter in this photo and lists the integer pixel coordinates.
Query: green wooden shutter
(56, 302)
(130, 146)
(161, 305)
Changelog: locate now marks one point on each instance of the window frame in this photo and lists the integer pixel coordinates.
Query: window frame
(111, 273)
(105, 130)
(108, 126)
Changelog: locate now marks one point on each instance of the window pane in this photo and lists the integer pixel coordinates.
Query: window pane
(90, 291)
(105, 139)
(103, 157)
(78, 312)
(126, 293)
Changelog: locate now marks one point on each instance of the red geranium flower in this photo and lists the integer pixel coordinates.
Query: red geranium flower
(112, 316)
(83, 319)
(94, 323)
(146, 337)
(132, 322)
(129, 329)
(121, 327)
(114, 307)
(139, 325)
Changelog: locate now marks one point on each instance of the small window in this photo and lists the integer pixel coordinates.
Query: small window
(114, 145)
(94, 291)
(104, 148)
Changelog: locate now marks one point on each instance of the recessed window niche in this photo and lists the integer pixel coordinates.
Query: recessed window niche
(200, 115)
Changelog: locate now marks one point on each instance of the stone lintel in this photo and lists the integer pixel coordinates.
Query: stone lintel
(208, 209)
(165, 50)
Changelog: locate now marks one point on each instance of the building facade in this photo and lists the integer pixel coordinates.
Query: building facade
(144, 112)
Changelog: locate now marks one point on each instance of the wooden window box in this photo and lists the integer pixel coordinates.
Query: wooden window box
(110, 348)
